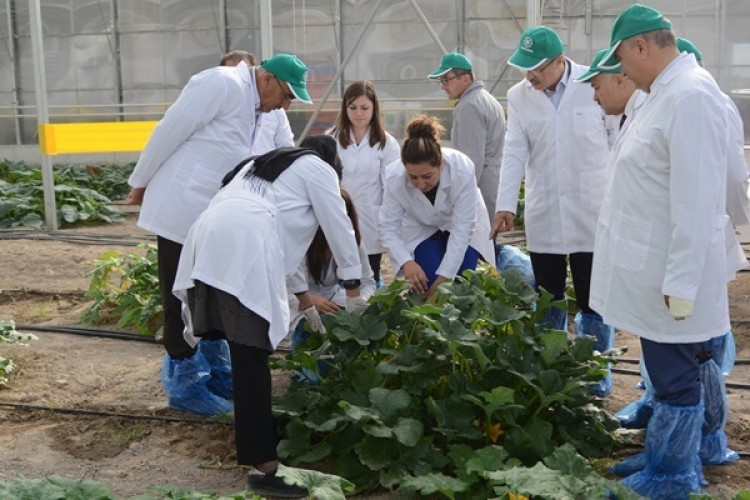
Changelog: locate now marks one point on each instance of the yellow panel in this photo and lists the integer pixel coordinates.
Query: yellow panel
(100, 137)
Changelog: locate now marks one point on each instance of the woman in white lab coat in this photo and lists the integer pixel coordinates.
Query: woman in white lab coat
(366, 149)
(232, 276)
(433, 222)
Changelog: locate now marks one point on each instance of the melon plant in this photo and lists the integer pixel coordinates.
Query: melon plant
(414, 394)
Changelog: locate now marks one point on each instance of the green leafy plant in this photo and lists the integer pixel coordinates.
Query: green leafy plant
(125, 289)
(22, 197)
(50, 487)
(429, 396)
(9, 334)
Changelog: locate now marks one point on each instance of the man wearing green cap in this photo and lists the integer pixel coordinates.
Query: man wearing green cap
(660, 263)
(478, 128)
(558, 138)
(208, 130)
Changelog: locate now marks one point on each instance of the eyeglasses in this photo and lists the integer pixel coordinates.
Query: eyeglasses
(541, 69)
(288, 96)
(444, 80)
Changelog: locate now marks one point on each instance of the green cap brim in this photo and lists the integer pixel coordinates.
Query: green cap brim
(588, 75)
(609, 61)
(525, 63)
(300, 93)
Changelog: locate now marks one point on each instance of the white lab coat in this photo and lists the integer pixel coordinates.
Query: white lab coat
(738, 203)
(249, 239)
(364, 171)
(203, 135)
(564, 154)
(329, 286)
(407, 217)
(273, 131)
(661, 230)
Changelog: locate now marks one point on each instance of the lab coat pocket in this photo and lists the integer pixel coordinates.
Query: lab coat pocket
(632, 238)
(588, 122)
(202, 185)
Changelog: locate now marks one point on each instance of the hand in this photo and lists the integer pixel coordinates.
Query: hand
(679, 308)
(415, 275)
(433, 287)
(356, 305)
(135, 197)
(503, 222)
(313, 319)
(323, 305)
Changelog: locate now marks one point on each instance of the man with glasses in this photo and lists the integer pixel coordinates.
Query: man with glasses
(478, 128)
(558, 139)
(208, 130)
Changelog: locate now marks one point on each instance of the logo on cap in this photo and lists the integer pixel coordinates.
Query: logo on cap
(528, 43)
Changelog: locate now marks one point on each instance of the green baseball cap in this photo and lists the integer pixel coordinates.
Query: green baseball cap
(594, 69)
(288, 68)
(537, 45)
(451, 60)
(685, 45)
(632, 21)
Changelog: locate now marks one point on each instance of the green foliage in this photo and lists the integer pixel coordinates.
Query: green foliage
(53, 488)
(430, 396)
(169, 493)
(81, 194)
(9, 335)
(321, 486)
(125, 288)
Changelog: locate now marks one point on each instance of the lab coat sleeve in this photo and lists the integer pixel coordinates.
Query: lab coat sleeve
(330, 210)
(472, 138)
(463, 220)
(392, 213)
(283, 135)
(198, 103)
(368, 285)
(297, 281)
(738, 203)
(696, 181)
(515, 156)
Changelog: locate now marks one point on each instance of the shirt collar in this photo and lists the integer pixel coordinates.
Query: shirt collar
(564, 80)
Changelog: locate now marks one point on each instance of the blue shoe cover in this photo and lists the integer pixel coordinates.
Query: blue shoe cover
(636, 414)
(671, 462)
(629, 466)
(724, 352)
(379, 283)
(714, 450)
(184, 381)
(219, 360)
(555, 319)
(592, 324)
(510, 257)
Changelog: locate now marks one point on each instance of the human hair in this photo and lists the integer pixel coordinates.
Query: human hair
(342, 127)
(660, 38)
(422, 143)
(234, 57)
(461, 72)
(318, 252)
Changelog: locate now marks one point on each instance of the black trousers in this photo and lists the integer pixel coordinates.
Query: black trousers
(674, 370)
(375, 264)
(168, 258)
(254, 430)
(551, 271)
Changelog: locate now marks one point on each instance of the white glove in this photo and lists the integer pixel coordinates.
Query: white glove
(356, 305)
(313, 319)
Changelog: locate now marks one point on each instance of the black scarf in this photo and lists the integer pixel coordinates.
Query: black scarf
(269, 166)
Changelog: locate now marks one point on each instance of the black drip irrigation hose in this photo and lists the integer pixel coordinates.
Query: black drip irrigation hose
(88, 332)
(79, 238)
(102, 413)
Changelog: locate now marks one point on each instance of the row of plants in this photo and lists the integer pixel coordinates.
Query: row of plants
(82, 194)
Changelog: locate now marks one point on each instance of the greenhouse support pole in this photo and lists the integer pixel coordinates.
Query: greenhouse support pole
(427, 26)
(335, 78)
(15, 99)
(533, 13)
(266, 29)
(42, 116)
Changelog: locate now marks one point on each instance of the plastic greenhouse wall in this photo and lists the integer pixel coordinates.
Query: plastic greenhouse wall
(128, 59)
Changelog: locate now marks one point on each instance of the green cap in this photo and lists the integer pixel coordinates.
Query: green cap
(288, 68)
(537, 45)
(633, 21)
(451, 60)
(594, 69)
(685, 45)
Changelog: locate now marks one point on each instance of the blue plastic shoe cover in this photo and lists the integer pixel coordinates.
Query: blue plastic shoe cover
(184, 381)
(219, 360)
(555, 319)
(510, 257)
(670, 463)
(724, 352)
(636, 414)
(592, 324)
(714, 450)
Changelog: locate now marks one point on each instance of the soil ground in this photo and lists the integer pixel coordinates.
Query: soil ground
(42, 282)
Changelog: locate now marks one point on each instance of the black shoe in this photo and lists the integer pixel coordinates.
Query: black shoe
(273, 486)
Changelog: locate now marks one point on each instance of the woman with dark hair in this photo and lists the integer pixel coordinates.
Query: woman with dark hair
(434, 222)
(316, 283)
(365, 149)
(232, 277)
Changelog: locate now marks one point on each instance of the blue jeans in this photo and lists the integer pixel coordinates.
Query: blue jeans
(429, 254)
(674, 370)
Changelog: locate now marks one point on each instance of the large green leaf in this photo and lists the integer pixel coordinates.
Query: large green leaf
(408, 431)
(320, 485)
(389, 402)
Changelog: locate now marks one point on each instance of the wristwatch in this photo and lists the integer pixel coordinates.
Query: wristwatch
(350, 284)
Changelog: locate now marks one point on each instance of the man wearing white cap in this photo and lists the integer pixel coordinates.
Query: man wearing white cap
(206, 132)
(478, 128)
(558, 138)
(660, 261)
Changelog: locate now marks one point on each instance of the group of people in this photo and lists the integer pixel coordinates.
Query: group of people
(634, 176)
